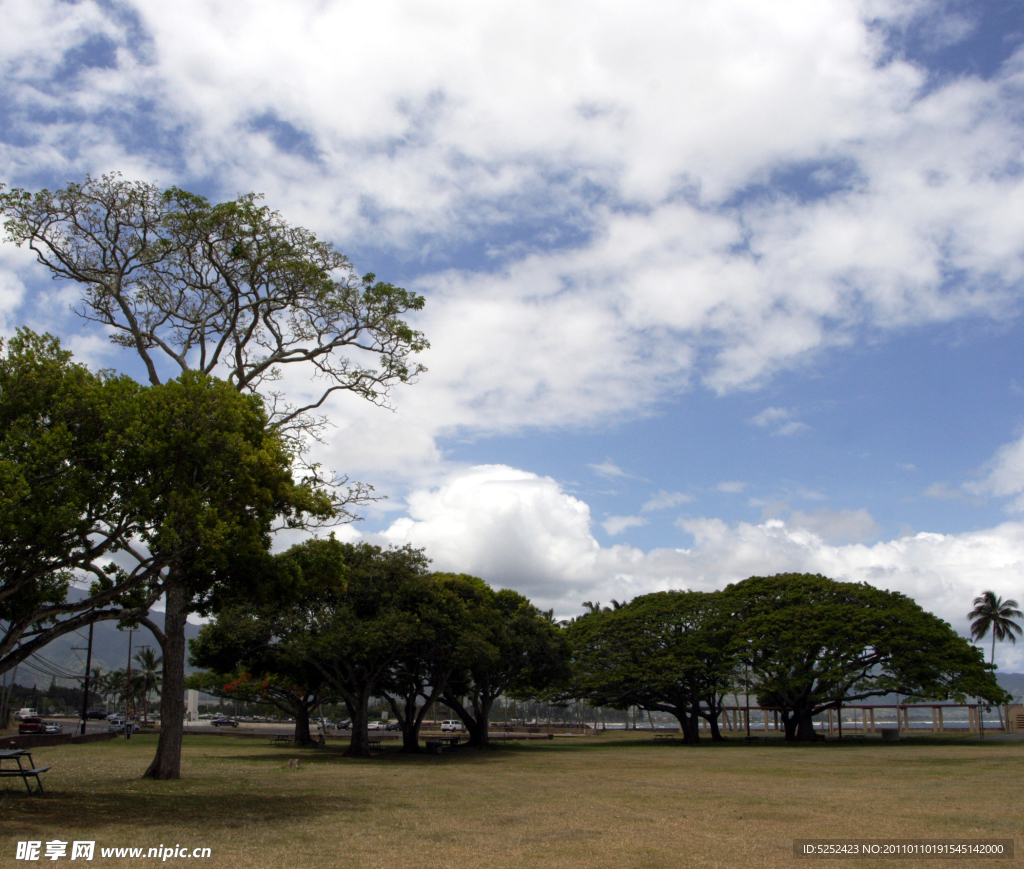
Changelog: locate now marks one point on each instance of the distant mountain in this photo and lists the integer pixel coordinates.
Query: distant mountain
(1012, 682)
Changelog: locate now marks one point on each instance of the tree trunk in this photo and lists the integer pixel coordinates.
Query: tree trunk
(691, 729)
(359, 744)
(483, 735)
(716, 733)
(405, 712)
(476, 722)
(167, 763)
(302, 736)
(789, 722)
(800, 726)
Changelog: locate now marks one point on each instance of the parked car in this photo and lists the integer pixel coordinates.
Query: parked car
(96, 715)
(116, 724)
(52, 727)
(344, 725)
(375, 725)
(31, 724)
(25, 712)
(224, 721)
(452, 725)
(393, 725)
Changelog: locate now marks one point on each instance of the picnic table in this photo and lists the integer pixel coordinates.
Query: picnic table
(437, 744)
(280, 739)
(24, 772)
(374, 742)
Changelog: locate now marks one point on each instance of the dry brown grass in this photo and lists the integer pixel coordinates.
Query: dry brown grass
(608, 801)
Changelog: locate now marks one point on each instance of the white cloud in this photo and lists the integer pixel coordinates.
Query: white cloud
(662, 500)
(693, 264)
(509, 526)
(778, 418)
(608, 468)
(1005, 474)
(836, 526)
(617, 524)
(520, 530)
(731, 487)
(943, 492)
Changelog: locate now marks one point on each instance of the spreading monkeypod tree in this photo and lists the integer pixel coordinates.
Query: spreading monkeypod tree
(665, 652)
(812, 643)
(229, 290)
(807, 643)
(515, 649)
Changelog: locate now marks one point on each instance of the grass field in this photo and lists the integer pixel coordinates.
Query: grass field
(606, 801)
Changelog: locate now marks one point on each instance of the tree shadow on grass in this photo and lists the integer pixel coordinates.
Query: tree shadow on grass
(331, 756)
(161, 804)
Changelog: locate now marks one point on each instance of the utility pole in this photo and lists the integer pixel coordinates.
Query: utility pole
(128, 690)
(85, 687)
(746, 695)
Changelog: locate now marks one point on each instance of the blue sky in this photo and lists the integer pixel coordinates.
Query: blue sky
(712, 289)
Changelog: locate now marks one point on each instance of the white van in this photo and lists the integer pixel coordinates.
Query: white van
(451, 724)
(22, 714)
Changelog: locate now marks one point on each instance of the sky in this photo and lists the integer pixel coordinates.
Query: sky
(712, 290)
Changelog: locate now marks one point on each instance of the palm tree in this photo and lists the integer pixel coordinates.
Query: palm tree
(993, 613)
(149, 675)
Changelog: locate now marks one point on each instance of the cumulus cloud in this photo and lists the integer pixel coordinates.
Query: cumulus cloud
(836, 526)
(1005, 476)
(617, 524)
(522, 531)
(509, 526)
(825, 190)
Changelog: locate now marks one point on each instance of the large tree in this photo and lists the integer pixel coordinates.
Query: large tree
(516, 649)
(230, 290)
(668, 652)
(355, 637)
(812, 643)
(445, 642)
(221, 482)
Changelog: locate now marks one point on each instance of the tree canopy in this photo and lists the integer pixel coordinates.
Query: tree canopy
(669, 652)
(517, 649)
(812, 643)
(73, 496)
(229, 289)
(807, 643)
